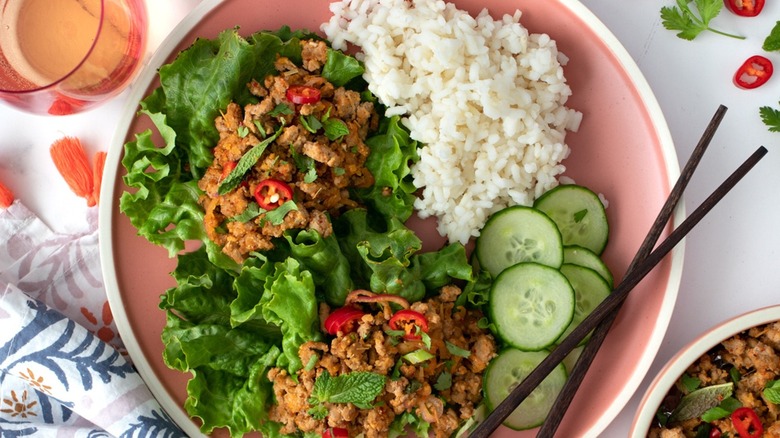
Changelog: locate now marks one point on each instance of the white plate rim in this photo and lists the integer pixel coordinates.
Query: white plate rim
(148, 74)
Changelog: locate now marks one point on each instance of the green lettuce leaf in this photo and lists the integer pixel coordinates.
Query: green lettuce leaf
(323, 257)
(392, 154)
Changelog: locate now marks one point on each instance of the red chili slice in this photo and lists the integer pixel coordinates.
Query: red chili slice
(408, 320)
(715, 432)
(745, 8)
(271, 193)
(300, 94)
(753, 73)
(343, 320)
(747, 423)
(335, 432)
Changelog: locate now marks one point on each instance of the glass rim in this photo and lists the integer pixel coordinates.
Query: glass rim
(86, 56)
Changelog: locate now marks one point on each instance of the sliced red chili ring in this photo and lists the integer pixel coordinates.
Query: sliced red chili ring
(300, 94)
(745, 8)
(410, 322)
(366, 296)
(271, 193)
(335, 432)
(747, 423)
(753, 73)
(343, 320)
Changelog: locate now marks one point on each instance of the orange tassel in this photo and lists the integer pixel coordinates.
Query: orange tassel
(71, 160)
(6, 197)
(98, 164)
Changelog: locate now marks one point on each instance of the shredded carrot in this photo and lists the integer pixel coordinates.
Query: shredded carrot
(71, 160)
(98, 163)
(6, 197)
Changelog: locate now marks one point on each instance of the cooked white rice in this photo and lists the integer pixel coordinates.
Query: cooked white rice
(485, 97)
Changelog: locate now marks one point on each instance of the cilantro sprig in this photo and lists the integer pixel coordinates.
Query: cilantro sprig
(689, 25)
(359, 388)
(772, 41)
(771, 118)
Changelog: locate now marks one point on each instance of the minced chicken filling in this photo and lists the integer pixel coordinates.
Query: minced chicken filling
(318, 164)
(442, 390)
(754, 356)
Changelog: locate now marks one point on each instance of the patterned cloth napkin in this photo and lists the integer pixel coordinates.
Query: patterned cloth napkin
(63, 368)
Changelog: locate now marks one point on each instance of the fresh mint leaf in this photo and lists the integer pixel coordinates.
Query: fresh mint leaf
(772, 391)
(771, 118)
(245, 163)
(688, 25)
(772, 41)
(693, 405)
(359, 388)
(335, 129)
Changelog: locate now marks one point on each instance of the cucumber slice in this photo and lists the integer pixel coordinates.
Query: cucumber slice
(571, 359)
(518, 234)
(506, 371)
(579, 214)
(578, 255)
(589, 290)
(531, 305)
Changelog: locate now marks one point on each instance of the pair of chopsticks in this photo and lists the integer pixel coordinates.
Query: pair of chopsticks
(601, 319)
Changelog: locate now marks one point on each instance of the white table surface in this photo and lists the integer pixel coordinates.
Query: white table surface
(731, 259)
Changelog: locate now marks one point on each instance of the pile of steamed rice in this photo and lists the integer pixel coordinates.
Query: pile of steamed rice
(485, 97)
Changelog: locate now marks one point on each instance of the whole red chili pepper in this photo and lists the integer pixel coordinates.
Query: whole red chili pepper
(408, 320)
(271, 193)
(745, 8)
(343, 320)
(753, 73)
(747, 423)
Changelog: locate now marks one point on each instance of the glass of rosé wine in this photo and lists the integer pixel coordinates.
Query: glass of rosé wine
(60, 57)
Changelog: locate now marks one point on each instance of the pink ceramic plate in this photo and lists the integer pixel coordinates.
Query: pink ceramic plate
(623, 150)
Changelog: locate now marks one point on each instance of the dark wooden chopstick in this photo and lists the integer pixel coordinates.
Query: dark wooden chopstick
(562, 402)
(502, 411)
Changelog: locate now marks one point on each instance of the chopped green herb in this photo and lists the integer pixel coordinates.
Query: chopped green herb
(444, 381)
(580, 215)
(305, 164)
(312, 362)
(281, 110)
(311, 123)
(682, 19)
(335, 129)
(260, 128)
(772, 391)
(276, 216)
(245, 163)
(338, 171)
(252, 211)
(689, 383)
(771, 118)
(724, 409)
(414, 385)
(772, 41)
(243, 131)
(457, 351)
(734, 374)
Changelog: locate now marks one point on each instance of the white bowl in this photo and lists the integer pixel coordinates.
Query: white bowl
(677, 365)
